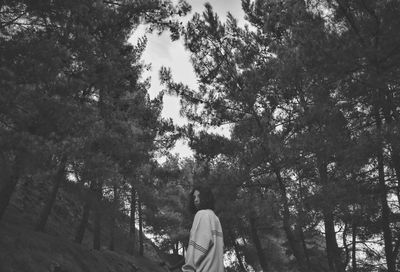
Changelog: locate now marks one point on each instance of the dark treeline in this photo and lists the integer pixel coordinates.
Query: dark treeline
(309, 179)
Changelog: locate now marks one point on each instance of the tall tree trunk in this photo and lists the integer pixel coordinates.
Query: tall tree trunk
(132, 222)
(346, 247)
(304, 245)
(395, 157)
(262, 258)
(97, 218)
(80, 231)
(332, 249)
(141, 251)
(354, 247)
(58, 178)
(387, 233)
(10, 182)
(294, 242)
(113, 218)
(300, 224)
(392, 120)
(395, 148)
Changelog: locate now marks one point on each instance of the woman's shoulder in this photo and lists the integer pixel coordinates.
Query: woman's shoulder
(205, 212)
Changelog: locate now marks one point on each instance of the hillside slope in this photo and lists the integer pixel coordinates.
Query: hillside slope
(23, 249)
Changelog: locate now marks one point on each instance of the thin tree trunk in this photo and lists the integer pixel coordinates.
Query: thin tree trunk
(10, 183)
(80, 231)
(113, 218)
(346, 247)
(141, 251)
(333, 251)
(300, 227)
(332, 248)
(97, 218)
(396, 163)
(132, 222)
(391, 115)
(58, 178)
(303, 243)
(354, 247)
(262, 258)
(294, 242)
(387, 233)
(388, 108)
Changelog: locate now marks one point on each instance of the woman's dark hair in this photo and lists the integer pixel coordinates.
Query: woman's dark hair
(206, 199)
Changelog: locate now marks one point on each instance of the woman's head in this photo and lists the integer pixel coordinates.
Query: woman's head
(201, 198)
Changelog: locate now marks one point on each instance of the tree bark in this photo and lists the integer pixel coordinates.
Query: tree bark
(304, 245)
(388, 109)
(141, 250)
(262, 258)
(294, 243)
(97, 218)
(58, 178)
(354, 247)
(390, 115)
(332, 249)
(346, 248)
(132, 222)
(80, 231)
(387, 233)
(300, 227)
(113, 218)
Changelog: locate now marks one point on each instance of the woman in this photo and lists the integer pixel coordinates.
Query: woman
(205, 250)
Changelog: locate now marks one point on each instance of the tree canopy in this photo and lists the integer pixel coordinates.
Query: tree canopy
(311, 91)
(309, 178)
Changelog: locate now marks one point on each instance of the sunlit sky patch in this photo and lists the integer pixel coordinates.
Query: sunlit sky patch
(161, 51)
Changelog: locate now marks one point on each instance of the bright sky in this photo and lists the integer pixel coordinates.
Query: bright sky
(161, 51)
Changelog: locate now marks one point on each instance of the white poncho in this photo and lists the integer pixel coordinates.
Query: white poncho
(205, 252)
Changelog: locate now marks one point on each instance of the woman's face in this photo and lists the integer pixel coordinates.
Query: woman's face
(196, 199)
